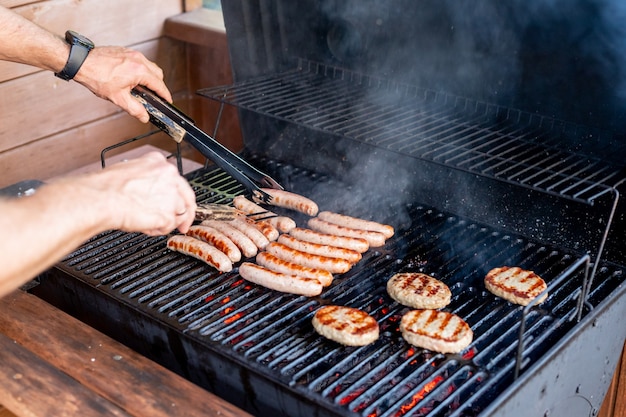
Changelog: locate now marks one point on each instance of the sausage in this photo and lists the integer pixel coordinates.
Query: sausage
(356, 223)
(269, 231)
(293, 201)
(375, 239)
(282, 223)
(292, 284)
(352, 243)
(277, 264)
(243, 242)
(201, 250)
(252, 232)
(217, 239)
(332, 265)
(317, 249)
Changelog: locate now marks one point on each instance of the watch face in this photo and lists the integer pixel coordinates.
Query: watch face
(74, 38)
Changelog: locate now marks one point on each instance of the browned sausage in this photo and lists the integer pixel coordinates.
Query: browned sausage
(269, 231)
(252, 232)
(352, 243)
(374, 239)
(333, 265)
(201, 250)
(217, 239)
(356, 223)
(282, 223)
(291, 284)
(317, 249)
(277, 264)
(292, 201)
(243, 242)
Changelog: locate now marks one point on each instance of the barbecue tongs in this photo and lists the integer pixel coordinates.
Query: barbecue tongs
(179, 126)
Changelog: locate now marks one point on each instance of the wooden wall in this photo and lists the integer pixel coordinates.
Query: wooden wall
(49, 126)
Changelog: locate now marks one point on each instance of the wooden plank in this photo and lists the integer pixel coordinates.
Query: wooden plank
(208, 65)
(111, 22)
(33, 387)
(137, 385)
(70, 150)
(614, 404)
(40, 104)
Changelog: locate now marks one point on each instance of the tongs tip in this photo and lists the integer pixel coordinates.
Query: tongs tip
(262, 196)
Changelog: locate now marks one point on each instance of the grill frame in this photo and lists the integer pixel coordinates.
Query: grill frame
(112, 279)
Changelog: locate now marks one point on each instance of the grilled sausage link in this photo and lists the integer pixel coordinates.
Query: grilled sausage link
(200, 250)
(352, 243)
(317, 249)
(243, 242)
(217, 239)
(252, 232)
(291, 284)
(282, 223)
(277, 264)
(356, 223)
(375, 239)
(292, 201)
(269, 231)
(332, 265)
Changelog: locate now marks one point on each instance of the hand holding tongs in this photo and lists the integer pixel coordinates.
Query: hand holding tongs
(179, 126)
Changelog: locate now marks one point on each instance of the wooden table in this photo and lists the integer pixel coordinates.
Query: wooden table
(51, 364)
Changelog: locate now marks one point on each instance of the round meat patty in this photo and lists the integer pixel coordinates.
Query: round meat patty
(515, 284)
(346, 325)
(434, 330)
(417, 290)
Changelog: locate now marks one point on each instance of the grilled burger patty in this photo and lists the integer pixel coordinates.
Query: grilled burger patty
(417, 290)
(515, 284)
(438, 331)
(346, 325)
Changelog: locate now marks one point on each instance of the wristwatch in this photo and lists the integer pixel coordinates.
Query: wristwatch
(79, 49)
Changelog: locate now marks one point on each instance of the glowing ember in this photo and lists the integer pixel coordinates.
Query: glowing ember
(233, 318)
(419, 396)
(469, 355)
(225, 300)
(348, 398)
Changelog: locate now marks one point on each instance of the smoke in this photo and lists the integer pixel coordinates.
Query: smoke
(564, 59)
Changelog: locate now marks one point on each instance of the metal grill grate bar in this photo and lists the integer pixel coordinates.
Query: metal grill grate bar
(484, 139)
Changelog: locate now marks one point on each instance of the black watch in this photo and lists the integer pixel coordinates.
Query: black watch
(79, 49)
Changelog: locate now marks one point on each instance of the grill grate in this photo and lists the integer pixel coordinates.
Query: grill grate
(508, 145)
(271, 333)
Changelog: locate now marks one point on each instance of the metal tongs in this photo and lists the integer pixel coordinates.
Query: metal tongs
(179, 126)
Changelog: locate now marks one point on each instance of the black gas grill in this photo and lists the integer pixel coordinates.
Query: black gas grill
(468, 183)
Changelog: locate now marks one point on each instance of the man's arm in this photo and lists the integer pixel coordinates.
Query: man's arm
(110, 72)
(142, 195)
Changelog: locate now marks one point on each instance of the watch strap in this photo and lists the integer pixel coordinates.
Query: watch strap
(78, 54)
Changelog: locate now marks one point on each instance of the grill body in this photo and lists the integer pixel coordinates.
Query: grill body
(510, 176)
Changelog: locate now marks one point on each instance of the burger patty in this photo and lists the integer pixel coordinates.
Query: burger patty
(438, 331)
(346, 325)
(515, 284)
(417, 290)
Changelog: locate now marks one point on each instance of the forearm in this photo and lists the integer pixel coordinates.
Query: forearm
(27, 43)
(144, 195)
(41, 229)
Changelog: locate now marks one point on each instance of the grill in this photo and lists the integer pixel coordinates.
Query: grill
(469, 184)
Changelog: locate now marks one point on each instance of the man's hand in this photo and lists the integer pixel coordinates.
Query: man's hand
(111, 72)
